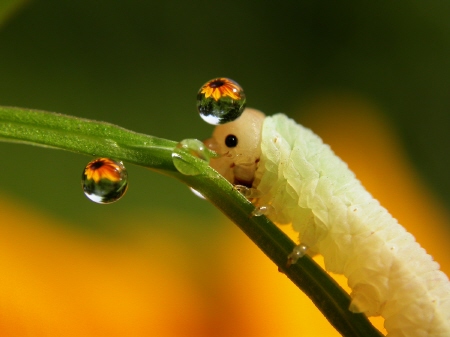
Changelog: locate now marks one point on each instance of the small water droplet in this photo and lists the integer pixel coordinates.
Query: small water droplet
(262, 210)
(195, 148)
(298, 252)
(104, 180)
(248, 192)
(220, 100)
(197, 193)
(184, 166)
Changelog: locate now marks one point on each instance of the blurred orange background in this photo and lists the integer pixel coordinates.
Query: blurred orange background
(370, 78)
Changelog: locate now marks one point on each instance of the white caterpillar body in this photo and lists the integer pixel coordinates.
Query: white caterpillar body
(309, 186)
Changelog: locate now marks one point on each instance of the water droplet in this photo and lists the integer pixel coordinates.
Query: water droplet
(263, 210)
(220, 100)
(186, 165)
(298, 252)
(248, 192)
(197, 193)
(104, 180)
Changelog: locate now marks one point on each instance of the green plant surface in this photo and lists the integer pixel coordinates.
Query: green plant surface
(8, 7)
(106, 140)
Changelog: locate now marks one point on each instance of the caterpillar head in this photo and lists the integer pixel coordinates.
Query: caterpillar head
(238, 144)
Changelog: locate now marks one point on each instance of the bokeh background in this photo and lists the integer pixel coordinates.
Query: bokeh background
(372, 78)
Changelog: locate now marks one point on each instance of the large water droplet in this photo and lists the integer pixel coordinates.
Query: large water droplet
(104, 180)
(220, 100)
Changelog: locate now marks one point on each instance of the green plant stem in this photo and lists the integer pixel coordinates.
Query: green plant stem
(106, 140)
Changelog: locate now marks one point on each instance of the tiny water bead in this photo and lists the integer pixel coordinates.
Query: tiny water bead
(298, 252)
(220, 101)
(195, 148)
(104, 180)
(248, 192)
(263, 210)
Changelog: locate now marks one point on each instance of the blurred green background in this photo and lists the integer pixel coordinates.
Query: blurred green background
(139, 64)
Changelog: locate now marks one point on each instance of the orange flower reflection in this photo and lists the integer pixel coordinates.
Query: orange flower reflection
(103, 168)
(220, 87)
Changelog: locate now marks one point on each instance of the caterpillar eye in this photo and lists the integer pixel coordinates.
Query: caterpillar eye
(231, 141)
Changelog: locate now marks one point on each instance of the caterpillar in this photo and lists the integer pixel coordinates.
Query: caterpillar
(308, 186)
